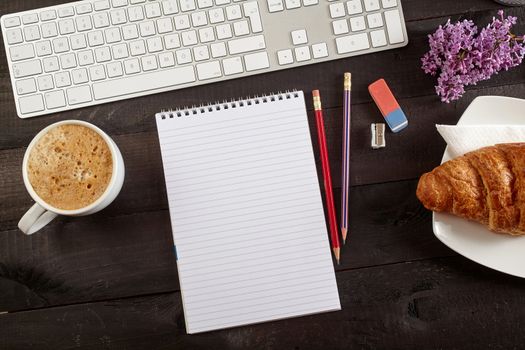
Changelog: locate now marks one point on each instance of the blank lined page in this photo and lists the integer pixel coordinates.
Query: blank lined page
(246, 213)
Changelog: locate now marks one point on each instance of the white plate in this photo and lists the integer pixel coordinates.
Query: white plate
(500, 252)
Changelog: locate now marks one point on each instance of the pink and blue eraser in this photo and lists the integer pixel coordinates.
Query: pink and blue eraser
(387, 104)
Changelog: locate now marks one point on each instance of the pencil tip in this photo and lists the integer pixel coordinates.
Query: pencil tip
(337, 254)
(344, 233)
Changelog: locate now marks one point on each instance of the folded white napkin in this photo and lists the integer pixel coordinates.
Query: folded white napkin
(465, 138)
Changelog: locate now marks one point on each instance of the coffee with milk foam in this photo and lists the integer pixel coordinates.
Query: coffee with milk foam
(70, 167)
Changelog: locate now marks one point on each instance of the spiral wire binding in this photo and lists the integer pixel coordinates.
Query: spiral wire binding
(218, 106)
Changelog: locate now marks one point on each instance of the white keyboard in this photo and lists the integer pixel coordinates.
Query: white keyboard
(96, 51)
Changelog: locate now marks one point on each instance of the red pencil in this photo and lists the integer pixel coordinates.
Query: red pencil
(334, 234)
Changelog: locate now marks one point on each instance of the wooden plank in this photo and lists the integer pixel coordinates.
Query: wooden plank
(103, 257)
(401, 68)
(442, 303)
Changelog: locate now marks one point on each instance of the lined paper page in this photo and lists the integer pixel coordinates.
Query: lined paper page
(246, 213)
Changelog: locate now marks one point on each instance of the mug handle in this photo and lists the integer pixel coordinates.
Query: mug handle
(36, 218)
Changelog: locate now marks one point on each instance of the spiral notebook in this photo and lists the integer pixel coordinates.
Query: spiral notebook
(246, 212)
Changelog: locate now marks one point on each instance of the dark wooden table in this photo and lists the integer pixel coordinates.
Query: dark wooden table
(110, 280)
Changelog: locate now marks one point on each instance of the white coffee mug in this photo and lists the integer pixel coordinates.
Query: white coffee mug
(41, 213)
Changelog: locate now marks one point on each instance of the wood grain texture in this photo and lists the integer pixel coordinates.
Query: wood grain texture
(103, 257)
(110, 280)
(443, 303)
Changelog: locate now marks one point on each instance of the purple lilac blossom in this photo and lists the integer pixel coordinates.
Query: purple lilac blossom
(461, 55)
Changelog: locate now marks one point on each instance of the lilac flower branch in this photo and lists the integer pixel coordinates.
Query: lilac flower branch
(461, 55)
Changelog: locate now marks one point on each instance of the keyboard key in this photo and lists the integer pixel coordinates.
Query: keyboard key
(224, 31)
(299, 37)
(66, 26)
(80, 76)
(101, 5)
(216, 15)
(292, 4)
(32, 33)
(375, 20)
(154, 45)
(101, 20)
(204, 3)
(389, 3)
(119, 3)
(118, 16)
(209, 70)
(14, 36)
(206, 35)
(43, 48)
(189, 38)
(27, 68)
(78, 95)
(310, 2)
(232, 66)
(378, 38)
(86, 58)
(121, 50)
(61, 45)
(153, 10)
(394, 26)
(320, 50)
(78, 42)
(30, 18)
(31, 104)
(275, 5)
(84, 8)
(241, 28)
(172, 41)
(182, 22)
(49, 30)
(114, 69)
(302, 53)
(137, 48)
(22, 52)
(55, 99)
(45, 82)
(48, 15)
(147, 28)
(201, 53)
(354, 7)
(371, 5)
(164, 25)
(112, 35)
(170, 7)
(95, 38)
(183, 56)
(51, 64)
(97, 73)
(130, 32)
(340, 26)
(62, 79)
(187, 5)
(251, 10)
(149, 63)
(357, 23)
(199, 19)
(166, 59)
(12, 22)
(233, 12)
(132, 66)
(26, 86)
(66, 12)
(222, 2)
(285, 57)
(352, 43)
(84, 23)
(256, 61)
(218, 50)
(246, 44)
(68, 61)
(337, 10)
(139, 83)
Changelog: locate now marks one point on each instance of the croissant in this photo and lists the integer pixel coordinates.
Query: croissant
(486, 185)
